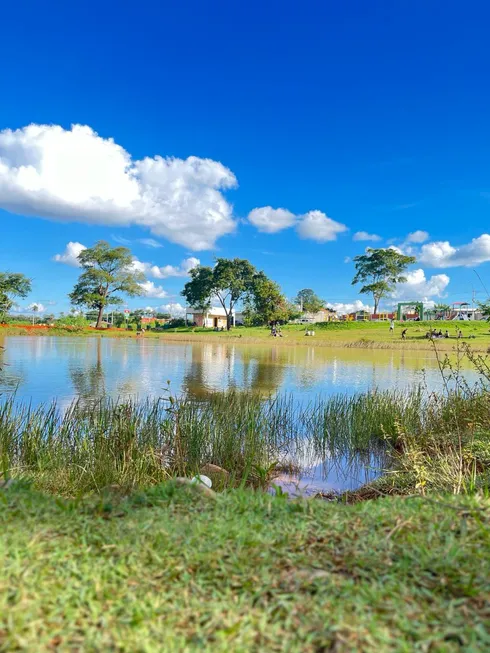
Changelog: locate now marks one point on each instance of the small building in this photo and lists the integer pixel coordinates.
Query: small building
(323, 315)
(211, 318)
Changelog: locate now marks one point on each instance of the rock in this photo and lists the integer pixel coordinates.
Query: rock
(210, 469)
(200, 487)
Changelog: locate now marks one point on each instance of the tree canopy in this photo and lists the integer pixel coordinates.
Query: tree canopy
(106, 271)
(265, 303)
(485, 309)
(309, 301)
(12, 285)
(380, 270)
(231, 281)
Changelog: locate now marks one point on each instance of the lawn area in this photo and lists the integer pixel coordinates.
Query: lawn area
(332, 334)
(171, 570)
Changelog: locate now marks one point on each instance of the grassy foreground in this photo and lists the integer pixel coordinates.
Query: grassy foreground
(171, 570)
(331, 334)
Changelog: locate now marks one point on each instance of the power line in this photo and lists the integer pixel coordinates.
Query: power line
(484, 287)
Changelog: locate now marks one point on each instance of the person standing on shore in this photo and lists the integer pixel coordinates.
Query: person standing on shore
(392, 326)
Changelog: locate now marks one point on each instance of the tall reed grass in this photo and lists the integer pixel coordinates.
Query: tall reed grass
(424, 439)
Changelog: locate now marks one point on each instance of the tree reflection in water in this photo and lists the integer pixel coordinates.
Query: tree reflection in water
(217, 367)
(89, 382)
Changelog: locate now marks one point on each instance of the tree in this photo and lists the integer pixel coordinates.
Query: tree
(309, 301)
(265, 303)
(106, 271)
(34, 309)
(230, 281)
(442, 308)
(380, 270)
(12, 284)
(485, 309)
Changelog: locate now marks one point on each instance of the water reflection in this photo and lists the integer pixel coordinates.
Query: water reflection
(44, 368)
(88, 381)
(219, 366)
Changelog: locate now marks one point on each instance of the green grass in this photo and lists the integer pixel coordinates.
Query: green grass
(420, 441)
(169, 570)
(136, 444)
(335, 334)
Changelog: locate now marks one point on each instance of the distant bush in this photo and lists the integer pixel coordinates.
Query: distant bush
(73, 321)
(175, 323)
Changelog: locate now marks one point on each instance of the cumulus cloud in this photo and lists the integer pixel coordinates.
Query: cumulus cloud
(418, 236)
(165, 271)
(314, 225)
(36, 307)
(176, 309)
(76, 175)
(419, 288)
(175, 271)
(345, 308)
(442, 254)
(151, 290)
(70, 255)
(364, 235)
(270, 220)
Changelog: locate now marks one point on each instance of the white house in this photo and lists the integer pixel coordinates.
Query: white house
(212, 318)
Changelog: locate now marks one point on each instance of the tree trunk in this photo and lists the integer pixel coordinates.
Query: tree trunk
(376, 304)
(99, 317)
(228, 321)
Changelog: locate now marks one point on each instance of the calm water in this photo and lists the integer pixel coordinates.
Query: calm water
(45, 368)
(41, 369)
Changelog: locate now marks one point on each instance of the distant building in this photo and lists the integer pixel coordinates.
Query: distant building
(212, 318)
(323, 315)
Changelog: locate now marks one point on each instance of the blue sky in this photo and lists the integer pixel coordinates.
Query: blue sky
(372, 114)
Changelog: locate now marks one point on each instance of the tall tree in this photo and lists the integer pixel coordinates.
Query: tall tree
(265, 303)
(106, 271)
(380, 270)
(230, 281)
(309, 301)
(12, 284)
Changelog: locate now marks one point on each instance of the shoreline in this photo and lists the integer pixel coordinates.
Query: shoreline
(363, 342)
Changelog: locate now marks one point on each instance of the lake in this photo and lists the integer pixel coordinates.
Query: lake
(41, 369)
(44, 368)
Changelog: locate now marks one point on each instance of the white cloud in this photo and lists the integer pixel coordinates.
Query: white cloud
(176, 310)
(165, 271)
(36, 307)
(364, 235)
(270, 220)
(150, 242)
(149, 309)
(175, 271)
(442, 254)
(76, 175)
(418, 236)
(315, 225)
(70, 255)
(345, 308)
(419, 288)
(151, 290)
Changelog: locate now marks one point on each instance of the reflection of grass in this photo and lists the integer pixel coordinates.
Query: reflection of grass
(171, 570)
